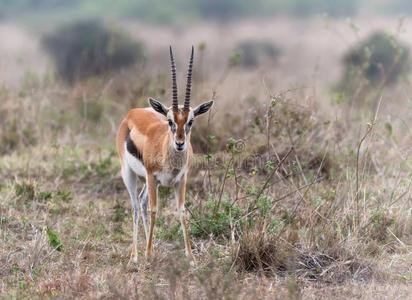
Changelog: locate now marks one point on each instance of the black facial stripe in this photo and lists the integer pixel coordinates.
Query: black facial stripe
(132, 149)
(188, 125)
(172, 125)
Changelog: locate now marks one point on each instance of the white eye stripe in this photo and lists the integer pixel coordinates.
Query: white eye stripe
(172, 125)
(170, 116)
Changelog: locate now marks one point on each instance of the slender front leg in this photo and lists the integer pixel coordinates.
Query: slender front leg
(184, 220)
(152, 190)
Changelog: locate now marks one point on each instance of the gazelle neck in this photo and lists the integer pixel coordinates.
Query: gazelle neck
(176, 159)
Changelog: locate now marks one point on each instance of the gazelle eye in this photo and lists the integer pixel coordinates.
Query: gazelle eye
(170, 123)
(190, 123)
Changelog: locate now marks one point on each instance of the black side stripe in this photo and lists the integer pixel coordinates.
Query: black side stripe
(132, 149)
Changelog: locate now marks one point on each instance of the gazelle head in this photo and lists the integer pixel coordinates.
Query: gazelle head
(180, 117)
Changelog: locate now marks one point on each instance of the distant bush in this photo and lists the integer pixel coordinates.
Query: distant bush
(89, 48)
(378, 61)
(380, 58)
(254, 53)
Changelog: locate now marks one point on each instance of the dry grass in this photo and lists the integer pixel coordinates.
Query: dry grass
(282, 202)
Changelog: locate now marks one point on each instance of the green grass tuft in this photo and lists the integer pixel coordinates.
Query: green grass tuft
(54, 239)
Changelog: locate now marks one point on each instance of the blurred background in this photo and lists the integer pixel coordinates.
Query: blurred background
(335, 54)
(345, 52)
(80, 65)
(290, 41)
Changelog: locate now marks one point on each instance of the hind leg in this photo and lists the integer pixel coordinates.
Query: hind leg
(152, 191)
(130, 180)
(143, 205)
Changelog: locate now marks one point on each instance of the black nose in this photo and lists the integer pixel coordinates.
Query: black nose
(180, 145)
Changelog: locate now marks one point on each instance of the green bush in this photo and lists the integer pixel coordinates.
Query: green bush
(216, 221)
(88, 48)
(379, 59)
(254, 53)
(376, 62)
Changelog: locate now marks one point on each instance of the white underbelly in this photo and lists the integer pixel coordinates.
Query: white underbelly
(135, 164)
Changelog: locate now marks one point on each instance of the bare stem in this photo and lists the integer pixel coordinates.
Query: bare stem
(362, 140)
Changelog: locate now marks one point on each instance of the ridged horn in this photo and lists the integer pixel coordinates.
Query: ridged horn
(175, 103)
(186, 106)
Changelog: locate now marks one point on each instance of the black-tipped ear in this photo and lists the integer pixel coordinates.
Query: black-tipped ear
(202, 108)
(157, 106)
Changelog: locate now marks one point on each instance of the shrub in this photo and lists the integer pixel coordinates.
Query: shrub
(216, 220)
(88, 48)
(381, 57)
(254, 53)
(15, 132)
(379, 60)
(259, 252)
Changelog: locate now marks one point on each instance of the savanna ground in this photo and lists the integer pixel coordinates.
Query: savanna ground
(294, 191)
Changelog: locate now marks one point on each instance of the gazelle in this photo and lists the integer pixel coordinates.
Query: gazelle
(154, 146)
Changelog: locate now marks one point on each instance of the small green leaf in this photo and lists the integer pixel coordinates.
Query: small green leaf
(234, 59)
(389, 128)
(54, 239)
(45, 195)
(64, 195)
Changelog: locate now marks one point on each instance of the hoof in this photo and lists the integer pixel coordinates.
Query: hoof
(133, 258)
(192, 263)
(148, 253)
(191, 259)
